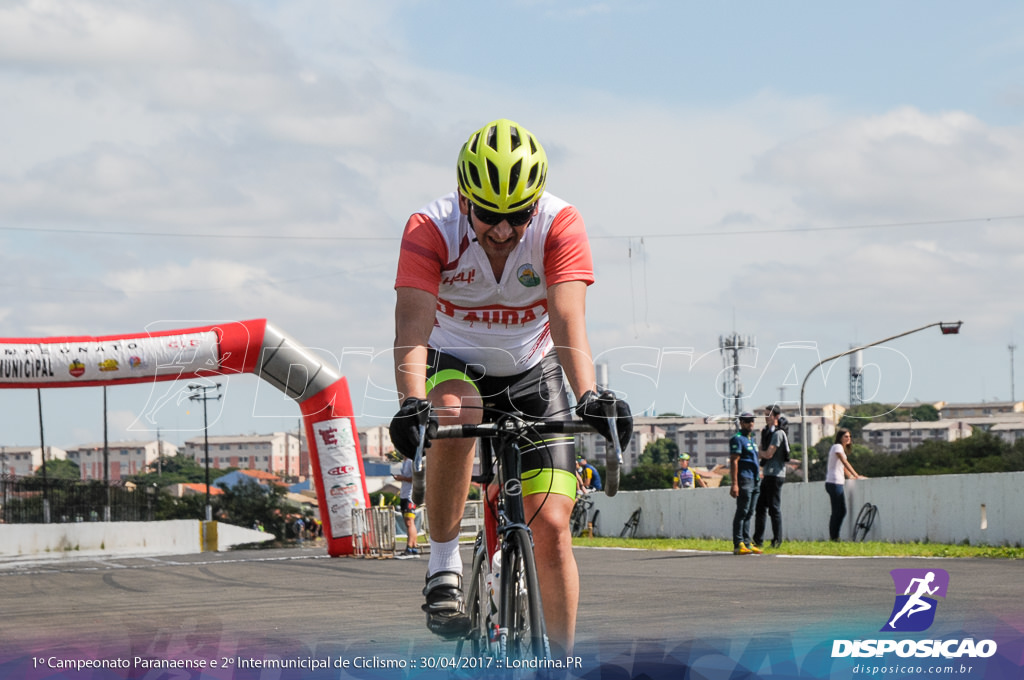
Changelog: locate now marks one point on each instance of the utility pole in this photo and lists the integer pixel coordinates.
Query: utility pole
(106, 457)
(1013, 395)
(42, 449)
(199, 393)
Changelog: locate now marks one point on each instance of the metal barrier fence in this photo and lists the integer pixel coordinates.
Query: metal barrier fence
(33, 500)
(373, 532)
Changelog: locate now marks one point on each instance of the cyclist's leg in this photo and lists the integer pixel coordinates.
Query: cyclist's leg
(448, 470)
(549, 488)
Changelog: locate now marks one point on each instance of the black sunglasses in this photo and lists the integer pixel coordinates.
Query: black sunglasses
(491, 218)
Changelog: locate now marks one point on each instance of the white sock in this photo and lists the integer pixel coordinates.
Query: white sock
(445, 557)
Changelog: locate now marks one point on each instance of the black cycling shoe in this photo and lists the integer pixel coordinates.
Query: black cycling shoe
(446, 606)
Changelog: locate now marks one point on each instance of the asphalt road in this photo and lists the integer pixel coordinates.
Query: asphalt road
(301, 603)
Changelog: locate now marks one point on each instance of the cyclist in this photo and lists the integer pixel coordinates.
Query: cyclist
(685, 477)
(491, 278)
(589, 478)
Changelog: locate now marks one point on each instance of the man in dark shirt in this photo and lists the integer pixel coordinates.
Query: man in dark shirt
(746, 483)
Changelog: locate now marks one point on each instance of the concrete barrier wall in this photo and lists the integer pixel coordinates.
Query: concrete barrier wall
(119, 538)
(981, 509)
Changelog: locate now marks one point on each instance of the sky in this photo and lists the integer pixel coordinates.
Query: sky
(812, 176)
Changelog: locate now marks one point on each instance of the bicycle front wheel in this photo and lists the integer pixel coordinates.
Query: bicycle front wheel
(477, 603)
(578, 520)
(522, 616)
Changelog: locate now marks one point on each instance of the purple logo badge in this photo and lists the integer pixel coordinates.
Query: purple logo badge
(916, 590)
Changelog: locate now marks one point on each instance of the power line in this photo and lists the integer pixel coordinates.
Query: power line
(693, 234)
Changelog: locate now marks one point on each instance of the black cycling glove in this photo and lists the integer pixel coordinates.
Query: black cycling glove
(405, 426)
(596, 409)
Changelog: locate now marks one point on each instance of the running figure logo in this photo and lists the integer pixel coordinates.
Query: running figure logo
(914, 610)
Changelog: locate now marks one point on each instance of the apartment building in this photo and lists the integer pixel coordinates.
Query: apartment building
(277, 452)
(984, 408)
(124, 458)
(23, 461)
(1012, 432)
(902, 436)
(375, 441)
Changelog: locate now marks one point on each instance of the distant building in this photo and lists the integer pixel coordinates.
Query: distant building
(375, 441)
(277, 452)
(124, 458)
(1012, 432)
(984, 408)
(264, 479)
(706, 440)
(23, 461)
(903, 436)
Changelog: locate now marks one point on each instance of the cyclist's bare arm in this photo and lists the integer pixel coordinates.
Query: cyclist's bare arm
(415, 310)
(567, 321)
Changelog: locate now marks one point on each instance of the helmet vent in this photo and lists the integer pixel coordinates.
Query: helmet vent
(492, 174)
(514, 137)
(532, 180)
(474, 175)
(533, 145)
(492, 137)
(473, 143)
(513, 176)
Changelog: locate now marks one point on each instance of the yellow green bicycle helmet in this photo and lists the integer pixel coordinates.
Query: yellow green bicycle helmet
(502, 167)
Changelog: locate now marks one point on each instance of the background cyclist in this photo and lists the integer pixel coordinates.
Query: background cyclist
(590, 479)
(491, 278)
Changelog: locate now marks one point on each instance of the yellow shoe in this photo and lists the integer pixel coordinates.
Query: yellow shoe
(742, 550)
(755, 550)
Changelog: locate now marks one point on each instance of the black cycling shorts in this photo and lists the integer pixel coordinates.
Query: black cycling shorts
(537, 393)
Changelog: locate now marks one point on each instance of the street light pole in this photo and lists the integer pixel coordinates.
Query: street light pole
(948, 328)
(199, 393)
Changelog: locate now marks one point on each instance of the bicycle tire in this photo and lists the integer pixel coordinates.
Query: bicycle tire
(865, 519)
(611, 476)
(632, 524)
(522, 615)
(419, 485)
(593, 521)
(477, 602)
(578, 520)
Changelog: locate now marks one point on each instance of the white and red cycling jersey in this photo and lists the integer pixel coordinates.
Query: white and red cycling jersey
(500, 325)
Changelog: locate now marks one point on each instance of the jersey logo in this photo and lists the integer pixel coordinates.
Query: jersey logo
(461, 277)
(528, 276)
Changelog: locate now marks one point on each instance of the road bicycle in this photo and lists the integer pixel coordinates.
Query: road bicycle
(632, 524)
(865, 519)
(581, 517)
(502, 594)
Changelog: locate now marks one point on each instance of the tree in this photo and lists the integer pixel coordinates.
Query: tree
(856, 417)
(925, 413)
(648, 476)
(655, 467)
(60, 469)
(179, 469)
(249, 502)
(660, 451)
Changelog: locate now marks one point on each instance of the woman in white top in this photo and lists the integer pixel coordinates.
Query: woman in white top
(839, 469)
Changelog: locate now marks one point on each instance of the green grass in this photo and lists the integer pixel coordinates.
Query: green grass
(843, 549)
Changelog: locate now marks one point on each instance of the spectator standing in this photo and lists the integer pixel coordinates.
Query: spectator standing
(839, 469)
(746, 483)
(408, 508)
(774, 453)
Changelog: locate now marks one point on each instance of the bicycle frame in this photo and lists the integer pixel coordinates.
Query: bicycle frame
(506, 529)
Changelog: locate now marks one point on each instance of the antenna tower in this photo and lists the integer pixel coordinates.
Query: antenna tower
(732, 389)
(856, 378)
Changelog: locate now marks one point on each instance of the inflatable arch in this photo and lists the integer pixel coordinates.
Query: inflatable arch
(236, 347)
